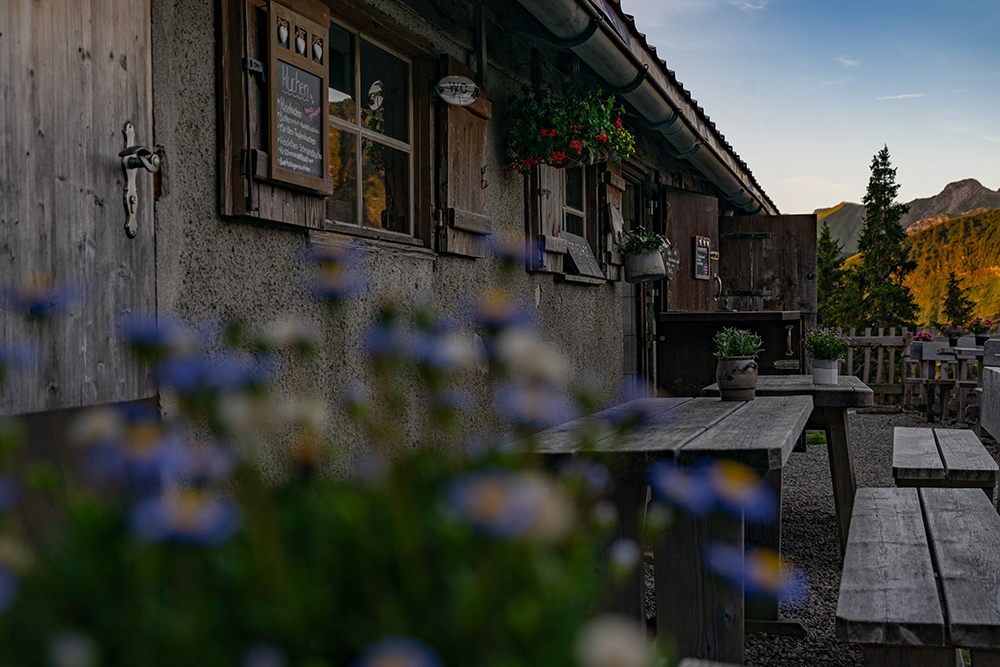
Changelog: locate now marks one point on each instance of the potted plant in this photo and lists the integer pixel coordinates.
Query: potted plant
(953, 332)
(826, 347)
(565, 131)
(643, 251)
(917, 343)
(736, 371)
(981, 328)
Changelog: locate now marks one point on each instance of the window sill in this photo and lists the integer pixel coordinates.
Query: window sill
(368, 233)
(389, 243)
(581, 280)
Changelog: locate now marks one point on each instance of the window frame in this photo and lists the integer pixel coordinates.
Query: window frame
(381, 32)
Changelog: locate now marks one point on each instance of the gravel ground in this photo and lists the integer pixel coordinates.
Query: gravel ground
(809, 540)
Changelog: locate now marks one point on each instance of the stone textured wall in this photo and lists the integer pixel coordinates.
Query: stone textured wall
(210, 268)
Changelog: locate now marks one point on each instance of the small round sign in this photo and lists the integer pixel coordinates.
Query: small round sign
(457, 90)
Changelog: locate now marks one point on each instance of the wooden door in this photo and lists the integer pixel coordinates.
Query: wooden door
(769, 263)
(73, 73)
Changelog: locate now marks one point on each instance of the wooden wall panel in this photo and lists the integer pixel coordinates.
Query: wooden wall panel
(73, 74)
(690, 215)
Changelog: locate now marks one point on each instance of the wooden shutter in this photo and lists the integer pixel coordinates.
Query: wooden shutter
(465, 224)
(611, 189)
(544, 213)
(274, 202)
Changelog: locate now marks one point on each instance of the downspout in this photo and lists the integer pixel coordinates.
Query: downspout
(605, 53)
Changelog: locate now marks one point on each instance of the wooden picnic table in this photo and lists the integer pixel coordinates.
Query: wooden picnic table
(922, 577)
(830, 406)
(704, 620)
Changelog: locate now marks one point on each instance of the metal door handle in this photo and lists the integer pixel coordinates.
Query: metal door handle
(788, 351)
(718, 282)
(134, 158)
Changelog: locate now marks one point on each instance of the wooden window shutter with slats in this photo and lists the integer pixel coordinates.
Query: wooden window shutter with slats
(244, 116)
(611, 189)
(544, 214)
(465, 224)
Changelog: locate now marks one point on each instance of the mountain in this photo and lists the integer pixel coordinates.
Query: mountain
(968, 245)
(960, 198)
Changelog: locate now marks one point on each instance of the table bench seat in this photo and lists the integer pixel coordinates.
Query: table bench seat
(890, 602)
(925, 457)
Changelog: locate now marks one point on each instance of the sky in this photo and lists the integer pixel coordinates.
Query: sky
(808, 91)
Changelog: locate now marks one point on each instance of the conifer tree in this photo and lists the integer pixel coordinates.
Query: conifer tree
(831, 275)
(957, 309)
(885, 253)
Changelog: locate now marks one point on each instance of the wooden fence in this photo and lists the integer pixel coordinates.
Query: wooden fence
(880, 361)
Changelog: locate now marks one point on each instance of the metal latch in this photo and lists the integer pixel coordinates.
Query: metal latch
(134, 158)
(256, 67)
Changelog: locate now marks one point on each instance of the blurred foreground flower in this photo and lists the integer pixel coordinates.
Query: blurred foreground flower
(724, 484)
(339, 274)
(73, 649)
(8, 587)
(687, 489)
(612, 641)
(398, 652)
(509, 504)
(761, 571)
(39, 296)
(534, 405)
(191, 516)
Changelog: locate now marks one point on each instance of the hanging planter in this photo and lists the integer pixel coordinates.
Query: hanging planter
(577, 129)
(643, 252)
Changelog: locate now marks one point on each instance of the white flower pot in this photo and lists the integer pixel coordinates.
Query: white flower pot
(642, 267)
(826, 371)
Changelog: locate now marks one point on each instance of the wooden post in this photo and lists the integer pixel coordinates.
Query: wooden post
(838, 445)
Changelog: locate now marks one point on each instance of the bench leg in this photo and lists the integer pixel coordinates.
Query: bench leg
(881, 655)
(701, 613)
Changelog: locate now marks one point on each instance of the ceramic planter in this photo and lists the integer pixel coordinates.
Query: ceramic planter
(826, 371)
(643, 267)
(737, 378)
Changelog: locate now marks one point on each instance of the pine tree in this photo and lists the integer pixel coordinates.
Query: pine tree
(829, 284)
(885, 252)
(957, 309)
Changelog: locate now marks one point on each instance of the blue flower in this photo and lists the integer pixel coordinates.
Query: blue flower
(192, 516)
(398, 651)
(338, 275)
(760, 571)
(10, 492)
(741, 491)
(201, 372)
(497, 502)
(594, 477)
(534, 405)
(39, 296)
(688, 489)
(9, 586)
(156, 337)
(497, 310)
(386, 340)
(16, 358)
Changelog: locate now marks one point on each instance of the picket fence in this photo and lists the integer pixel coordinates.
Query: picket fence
(881, 361)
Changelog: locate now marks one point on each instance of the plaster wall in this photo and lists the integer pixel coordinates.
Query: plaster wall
(210, 268)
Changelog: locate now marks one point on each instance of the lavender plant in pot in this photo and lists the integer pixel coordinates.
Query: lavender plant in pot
(643, 252)
(826, 347)
(736, 371)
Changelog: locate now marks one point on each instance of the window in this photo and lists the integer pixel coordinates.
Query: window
(574, 201)
(371, 146)
(562, 221)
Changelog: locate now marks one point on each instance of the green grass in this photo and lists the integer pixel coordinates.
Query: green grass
(815, 438)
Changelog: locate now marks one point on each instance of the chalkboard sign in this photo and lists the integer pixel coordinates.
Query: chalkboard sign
(702, 258)
(581, 257)
(298, 152)
(299, 125)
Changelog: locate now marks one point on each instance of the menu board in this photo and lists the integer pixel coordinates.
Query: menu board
(299, 122)
(298, 78)
(702, 258)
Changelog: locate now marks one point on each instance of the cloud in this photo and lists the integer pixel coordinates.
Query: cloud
(995, 140)
(749, 5)
(836, 82)
(907, 96)
(847, 62)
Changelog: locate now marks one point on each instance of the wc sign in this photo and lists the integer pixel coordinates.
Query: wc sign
(457, 90)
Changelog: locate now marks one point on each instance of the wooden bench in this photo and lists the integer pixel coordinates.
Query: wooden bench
(909, 609)
(944, 457)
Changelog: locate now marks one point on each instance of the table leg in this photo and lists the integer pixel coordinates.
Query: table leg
(701, 613)
(629, 597)
(767, 536)
(838, 445)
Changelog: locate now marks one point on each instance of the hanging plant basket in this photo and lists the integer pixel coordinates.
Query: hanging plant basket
(642, 267)
(565, 131)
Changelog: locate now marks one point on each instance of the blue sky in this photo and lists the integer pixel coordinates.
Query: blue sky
(807, 91)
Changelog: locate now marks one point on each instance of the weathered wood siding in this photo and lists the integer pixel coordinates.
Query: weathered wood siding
(73, 73)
